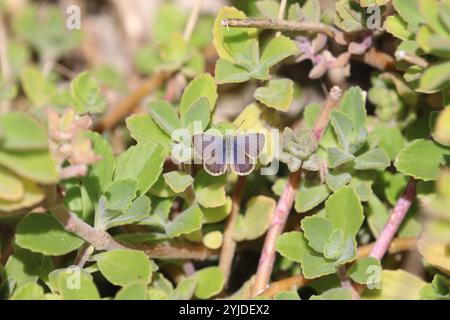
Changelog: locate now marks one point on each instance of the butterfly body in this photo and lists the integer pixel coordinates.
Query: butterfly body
(222, 153)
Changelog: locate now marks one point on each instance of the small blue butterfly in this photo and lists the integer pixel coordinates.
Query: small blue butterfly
(221, 153)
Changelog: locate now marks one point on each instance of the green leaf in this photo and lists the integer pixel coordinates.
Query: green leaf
(278, 94)
(32, 194)
(420, 159)
(435, 78)
(38, 166)
(408, 10)
(362, 270)
(124, 266)
(269, 8)
(317, 231)
(133, 291)
(185, 289)
(202, 86)
(336, 180)
(24, 266)
(120, 193)
(334, 247)
(287, 295)
(229, 41)
(188, 221)
(142, 162)
(73, 283)
(373, 159)
(398, 27)
(210, 281)
(213, 215)
(338, 157)
(390, 139)
(395, 285)
(228, 72)
(22, 132)
(352, 104)
(38, 89)
(292, 245)
(210, 190)
(315, 265)
(310, 196)
(29, 291)
(278, 49)
(178, 181)
(334, 294)
(165, 116)
(86, 95)
(107, 217)
(101, 173)
(11, 188)
(43, 234)
(343, 127)
(438, 289)
(344, 210)
(144, 129)
(256, 219)
(213, 240)
(200, 112)
(429, 11)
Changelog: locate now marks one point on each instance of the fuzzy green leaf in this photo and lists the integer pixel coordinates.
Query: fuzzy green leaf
(43, 234)
(86, 96)
(178, 181)
(202, 86)
(420, 159)
(186, 222)
(73, 283)
(309, 196)
(124, 266)
(317, 231)
(344, 210)
(373, 159)
(165, 116)
(210, 281)
(278, 94)
(361, 271)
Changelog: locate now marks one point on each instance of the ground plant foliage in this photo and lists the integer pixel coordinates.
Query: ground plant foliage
(104, 194)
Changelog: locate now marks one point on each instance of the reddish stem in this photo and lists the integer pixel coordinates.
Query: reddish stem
(286, 201)
(398, 214)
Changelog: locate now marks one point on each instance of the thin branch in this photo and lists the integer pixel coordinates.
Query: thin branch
(287, 284)
(395, 219)
(229, 245)
(298, 281)
(192, 20)
(286, 201)
(411, 58)
(84, 252)
(280, 25)
(397, 245)
(102, 240)
(131, 102)
(281, 13)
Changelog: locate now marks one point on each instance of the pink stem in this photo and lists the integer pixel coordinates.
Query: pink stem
(398, 214)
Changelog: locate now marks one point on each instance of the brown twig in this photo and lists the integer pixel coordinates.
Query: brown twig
(192, 20)
(280, 25)
(131, 102)
(397, 245)
(229, 245)
(286, 201)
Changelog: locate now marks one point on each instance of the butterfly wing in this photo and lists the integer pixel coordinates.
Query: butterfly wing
(251, 143)
(242, 162)
(211, 149)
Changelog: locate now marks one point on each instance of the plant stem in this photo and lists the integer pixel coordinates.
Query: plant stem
(229, 245)
(297, 281)
(280, 25)
(130, 103)
(102, 240)
(286, 201)
(395, 219)
(192, 20)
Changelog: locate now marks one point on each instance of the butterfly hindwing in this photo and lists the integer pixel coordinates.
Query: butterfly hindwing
(237, 151)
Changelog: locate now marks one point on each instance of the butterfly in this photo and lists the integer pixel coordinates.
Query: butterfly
(219, 153)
